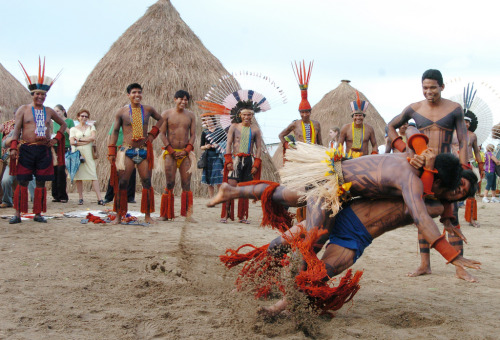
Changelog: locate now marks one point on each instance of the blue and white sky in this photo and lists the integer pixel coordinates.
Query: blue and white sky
(381, 46)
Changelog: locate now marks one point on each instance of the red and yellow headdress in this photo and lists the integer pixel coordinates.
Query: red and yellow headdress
(359, 106)
(40, 82)
(303, 80)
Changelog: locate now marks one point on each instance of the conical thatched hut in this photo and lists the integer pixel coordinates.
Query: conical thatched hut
(14, 94)
(161, 53)
(334, 110)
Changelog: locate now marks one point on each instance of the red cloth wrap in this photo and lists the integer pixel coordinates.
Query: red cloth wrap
(243, 206)
(273, 214)
(470, 209)
(427, 180)
(418, 143)
(374, 152)
(40, 201)
(148, 200)
(447, 212)
(21, 198)
(480, 165)
(167, 205)
(150, 155)
(13, 160)
(257, 163)
(61, 148)
(154, 132)
(398, 144)
(445, 248)
(186, 203)
(188, 148)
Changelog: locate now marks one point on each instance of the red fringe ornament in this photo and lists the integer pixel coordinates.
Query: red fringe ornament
(470, 209)
(21, 199)
(40, 200)
(122, 202)
(167, 205)
(186, 203)
(148, 200)
(150, 155)
(243, 206)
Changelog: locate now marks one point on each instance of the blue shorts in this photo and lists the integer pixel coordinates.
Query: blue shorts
(137, 155)
(349, 232)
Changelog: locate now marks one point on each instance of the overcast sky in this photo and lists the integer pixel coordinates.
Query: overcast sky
(381, 46)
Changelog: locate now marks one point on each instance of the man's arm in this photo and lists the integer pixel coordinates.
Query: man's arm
(397, 121)
(319, 140)
(163, 129)
(286, 132)
(388, 147)
(343, 135)
(373, 140)
(152, 134)
(461, 134)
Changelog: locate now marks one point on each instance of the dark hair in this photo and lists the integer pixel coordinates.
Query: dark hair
(434, 75)
(60, 107)
(181, 94)
(449, 170)
(472, 178)
(133, 86)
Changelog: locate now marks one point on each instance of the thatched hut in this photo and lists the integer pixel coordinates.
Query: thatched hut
(14, 94)
(334, 110)
(161, 53)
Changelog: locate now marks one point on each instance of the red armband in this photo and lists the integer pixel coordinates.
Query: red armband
(13, 144)
(112, 150)
(447, 212)
(445, 248)
(188, 148)
(480, 165)
(466, 167)
(418, 143)
(257, 162)
(285, 145)
(374, 152)
(228, 158)
(154, 132)
(427, 180)
(398, 144)
(170, 149)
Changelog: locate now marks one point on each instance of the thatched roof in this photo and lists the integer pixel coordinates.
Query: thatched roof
(14, 94)
(161, 53)
(334, 110)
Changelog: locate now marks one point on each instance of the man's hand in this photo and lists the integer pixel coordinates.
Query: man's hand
(13, 153)
(462, 262)
(180, 154)
(417, 161)
(253, 171)
(112, 159)
(430, 158)
(451, 229)
(52, 142)
(230, 167)
(150, 138)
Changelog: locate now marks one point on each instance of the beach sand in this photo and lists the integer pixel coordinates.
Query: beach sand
(66, 280)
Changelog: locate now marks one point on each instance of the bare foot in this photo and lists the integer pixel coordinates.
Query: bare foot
(245, 221)
(464, 275)
(474, 224)
(117, 220)
(421, 270)
(222, 195)
(273, 310)
(190, 219)
(149, 220)
(162, 218)
(223, 220)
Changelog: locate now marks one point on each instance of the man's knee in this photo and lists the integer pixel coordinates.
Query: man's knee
(123, 184)
(146, 183)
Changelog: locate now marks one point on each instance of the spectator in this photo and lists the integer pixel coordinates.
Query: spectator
(491, 180)
(212, 172)
(59, 193)
(110, 194)
(82, 136)
(334, 135)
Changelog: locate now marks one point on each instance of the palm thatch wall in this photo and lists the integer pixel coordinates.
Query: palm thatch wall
(334, 110)
(161, 53)
(14, 94)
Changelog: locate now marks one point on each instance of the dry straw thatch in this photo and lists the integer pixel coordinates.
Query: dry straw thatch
(161, 53)
(14, 94)
(334, 110)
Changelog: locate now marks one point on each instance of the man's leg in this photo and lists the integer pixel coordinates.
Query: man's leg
(187, 195)
(131, 186)
(110, 194)
(148, 193)
(121, 202)
(425, 258)
(167, 199)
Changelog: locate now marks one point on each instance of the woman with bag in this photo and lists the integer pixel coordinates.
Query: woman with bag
(82, 138)
(489, 172)
(214, 159)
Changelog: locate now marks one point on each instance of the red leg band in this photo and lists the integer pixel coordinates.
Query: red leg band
(445, 248)
(123, 203)
(21, 199)
(243, 208)
(167, 205)
(148, 200)
(40, 201)
(186, 203)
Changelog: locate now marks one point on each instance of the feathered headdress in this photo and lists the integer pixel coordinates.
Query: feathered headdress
(223, 103)
(302, 78)
(359, 106)
(40, 82)
(468, 97)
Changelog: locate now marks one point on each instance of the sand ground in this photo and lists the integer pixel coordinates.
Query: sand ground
(66, 280)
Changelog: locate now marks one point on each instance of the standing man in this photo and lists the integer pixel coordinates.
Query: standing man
(178, 131)
(437, 118)
(32, 154)
(59, 193)
(357, 134)
(136, 150)
(242, 139)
